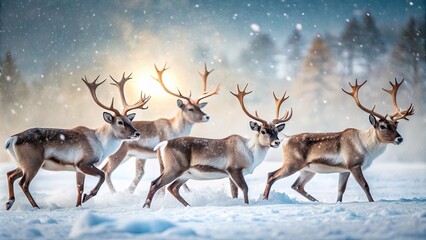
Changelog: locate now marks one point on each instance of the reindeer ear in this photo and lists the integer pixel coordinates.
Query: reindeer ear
(373, 120)
(280, 127)
(201, 105)
(254, 126)
(180, 104)
(108, 117)
(131, 116)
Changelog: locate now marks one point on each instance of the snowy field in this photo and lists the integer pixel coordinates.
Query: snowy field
(398, 213)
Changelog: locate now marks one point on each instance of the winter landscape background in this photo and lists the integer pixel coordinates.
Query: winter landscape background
(311, 49)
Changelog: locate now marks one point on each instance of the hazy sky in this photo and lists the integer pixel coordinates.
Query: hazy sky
(77, 33)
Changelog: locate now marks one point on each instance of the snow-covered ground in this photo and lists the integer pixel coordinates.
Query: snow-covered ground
(398, 213)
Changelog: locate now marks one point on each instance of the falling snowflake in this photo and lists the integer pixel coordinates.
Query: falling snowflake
(255, 27)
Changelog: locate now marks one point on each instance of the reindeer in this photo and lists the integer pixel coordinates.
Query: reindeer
(346, 152)
(187, 158)
(79, 149)
(159, 130)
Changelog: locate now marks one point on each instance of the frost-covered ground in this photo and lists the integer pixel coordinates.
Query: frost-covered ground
(398, 213)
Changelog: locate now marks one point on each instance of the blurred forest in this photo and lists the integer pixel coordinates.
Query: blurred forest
(312, 71)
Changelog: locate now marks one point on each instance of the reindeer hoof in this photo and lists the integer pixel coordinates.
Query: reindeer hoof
(85, 197)
(9, 204)
(147, 205)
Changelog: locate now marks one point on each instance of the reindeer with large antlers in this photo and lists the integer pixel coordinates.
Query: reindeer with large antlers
(159, 130)
(79, 149)
(187, 158)
(346, 152)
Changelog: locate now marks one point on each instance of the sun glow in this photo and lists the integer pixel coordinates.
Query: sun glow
(145, 83)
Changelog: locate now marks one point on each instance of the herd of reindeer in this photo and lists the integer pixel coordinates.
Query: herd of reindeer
(182, 157)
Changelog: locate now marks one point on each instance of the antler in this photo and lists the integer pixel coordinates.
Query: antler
(287, 115)
(126, 107)
(397, 113)
(92, 87)
(354, 94)
(160, 80)
(240, 95)
(206, 94)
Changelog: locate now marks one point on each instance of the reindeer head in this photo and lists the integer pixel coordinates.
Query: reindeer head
(191, 108)
(385, 126)
(267, 132)
(121, 123)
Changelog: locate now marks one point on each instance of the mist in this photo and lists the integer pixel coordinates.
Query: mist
(46, 47)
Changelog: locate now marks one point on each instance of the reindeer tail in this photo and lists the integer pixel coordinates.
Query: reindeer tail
(160, 145)
(10, 146)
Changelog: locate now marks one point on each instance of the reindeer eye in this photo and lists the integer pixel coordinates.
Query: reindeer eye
(382, 127)
(190, 109)
(262, 131)
(120, 122)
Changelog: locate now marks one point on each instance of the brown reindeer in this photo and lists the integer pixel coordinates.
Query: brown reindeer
(79, 149)
(187, 158)
(153, 132)
(346, 152)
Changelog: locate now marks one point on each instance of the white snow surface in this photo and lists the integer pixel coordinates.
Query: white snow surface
(398, 213)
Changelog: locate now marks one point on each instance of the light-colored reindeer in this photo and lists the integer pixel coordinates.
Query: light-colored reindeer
(79, 149)
(153, 132)
(346, 152)
(187, 158)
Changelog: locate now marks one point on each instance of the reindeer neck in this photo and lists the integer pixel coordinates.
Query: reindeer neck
(258, 151)
(180, 125)
(254, 145)
(371, 144)
(109, 142)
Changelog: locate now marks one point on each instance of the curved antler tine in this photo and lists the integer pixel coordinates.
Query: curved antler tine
(398, 114)
(287, 116)
(92, 88)
(278, 103)
(114, 81)
(120, 85)
(240, 96)
(138, 105)
(354, 95)
(159, 79)
(255, 113)
(206, 94)
(204, 76)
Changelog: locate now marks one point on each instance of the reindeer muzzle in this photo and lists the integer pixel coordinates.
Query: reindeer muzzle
(136, 136)
(275, 143)
(398, 140)
(205, 118)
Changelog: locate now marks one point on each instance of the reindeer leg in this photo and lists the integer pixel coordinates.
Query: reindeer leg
(90, 169)
(299, 184)
(164, 179)
(234, 189)
(285, 171)
(174, 190)
(237, 176)
(80, 187)
(343, 180)
(25, 184)
(11, 178)
(140, 171)
(113, 162)
(162, 191)
(359, 177)
(185, 186)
